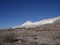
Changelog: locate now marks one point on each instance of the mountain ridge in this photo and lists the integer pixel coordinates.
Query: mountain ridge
(30, 24)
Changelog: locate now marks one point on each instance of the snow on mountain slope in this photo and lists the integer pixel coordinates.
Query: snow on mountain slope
(30, 24)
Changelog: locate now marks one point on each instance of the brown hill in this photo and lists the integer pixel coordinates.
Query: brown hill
(48, 27)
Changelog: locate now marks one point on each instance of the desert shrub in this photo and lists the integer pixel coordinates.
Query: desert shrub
(43, 44)
(58, 37)
(31, 43)
(11, 37)
(57, 44)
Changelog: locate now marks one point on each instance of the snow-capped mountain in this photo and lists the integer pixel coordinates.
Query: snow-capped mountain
(30, 24)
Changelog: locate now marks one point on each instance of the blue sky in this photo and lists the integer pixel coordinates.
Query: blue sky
(16, 12)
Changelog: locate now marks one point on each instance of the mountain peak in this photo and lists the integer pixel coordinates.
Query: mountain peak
(27, 23)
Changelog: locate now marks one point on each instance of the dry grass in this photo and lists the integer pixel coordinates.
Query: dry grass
(29, 37)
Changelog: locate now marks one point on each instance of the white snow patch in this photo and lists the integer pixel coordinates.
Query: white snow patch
(30, 24)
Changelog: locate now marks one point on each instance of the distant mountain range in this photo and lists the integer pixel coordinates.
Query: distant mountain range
(50, 22)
